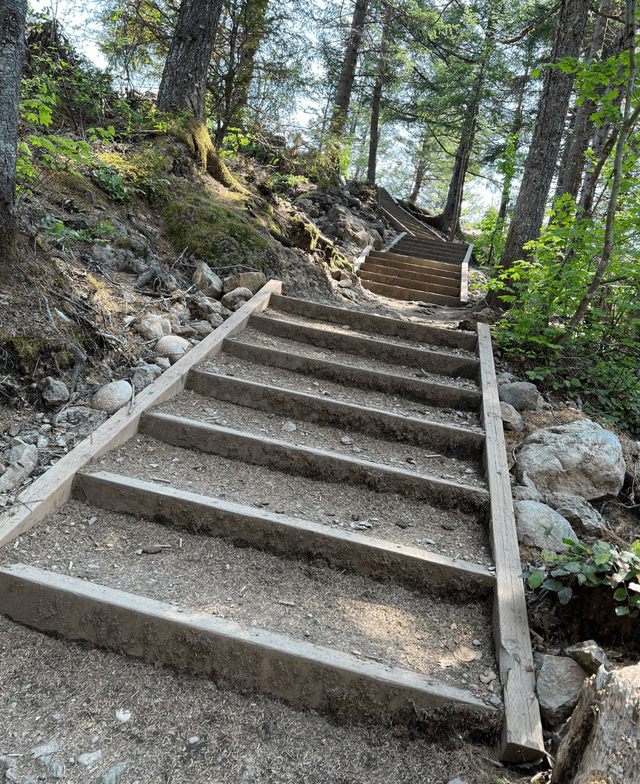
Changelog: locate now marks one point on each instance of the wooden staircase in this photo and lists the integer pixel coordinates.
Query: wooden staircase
(419, 265)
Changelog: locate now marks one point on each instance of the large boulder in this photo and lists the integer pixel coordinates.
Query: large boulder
(540, 526)
(206, 281)
(253, 281)
(581, 458)
(173, 347)
(583, 517)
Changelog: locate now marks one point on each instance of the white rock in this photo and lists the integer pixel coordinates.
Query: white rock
(23, 459)
(533, 519)
(89, 758)
(236, 298)
(113, 396)
(511, 419)
(54, 391)
(206, 281)
(163, 363)
(581, 458)
(172, 347)
(123, 715)
(153, 327)
(144, 375)
(289, 427)
(559, 685)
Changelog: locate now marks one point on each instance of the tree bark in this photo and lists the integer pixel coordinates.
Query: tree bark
(184, 77)
(348, 71)
(12, 51)
(543, 152)
(603, 741)
(374, 132)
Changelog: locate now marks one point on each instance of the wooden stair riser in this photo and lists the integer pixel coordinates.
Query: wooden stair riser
(432, 361)
(304, 674)
(417, 251)
(410, 294)
(412, 388)
(431, 264)
(309, 462)
(409, 283)
(382, 267)
(448, 439)
(409, 566)
(420, 271)
(439, 252)
(382, 325)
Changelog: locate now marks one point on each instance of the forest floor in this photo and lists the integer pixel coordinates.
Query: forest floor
(79, 714)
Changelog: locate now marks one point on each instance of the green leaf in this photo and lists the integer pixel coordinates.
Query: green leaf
(559, 572)
(620, 594)
(622, 611)
(536, 579)
(565, 595)
(552, 585)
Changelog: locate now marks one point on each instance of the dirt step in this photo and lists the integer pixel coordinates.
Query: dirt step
(390, 278)
(343, 380)
(302, 672)
(396, 292)
(402, 519)
(381, 325)
(308, 461)
(436, 362)
(305, 408)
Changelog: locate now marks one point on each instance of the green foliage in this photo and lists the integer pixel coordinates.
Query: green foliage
(601, 564)
(63, 235)
(488, 246)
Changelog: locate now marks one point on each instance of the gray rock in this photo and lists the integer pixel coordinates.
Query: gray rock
(235, 299)
(49, 748)
(589, 656)
(112, 396)
(559, 685)
(505, 378)
(456, 781)
(81, 420)
(586, 520)
(54, 391)
(203, 328)
(89, 758)
(522, 395)
(173, 347)
(533, 519)
(163, 363)
(23, 459)
(581, 458)
(253, 281)
(144, 375)
(203, 307)
(511, 419)
(7, 762)
(524, 493)
(112, 775)
(153, 327)
(179, 314)
(206, 281)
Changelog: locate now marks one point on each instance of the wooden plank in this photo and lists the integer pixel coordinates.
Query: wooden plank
(433, 361)
(302, 673)
(383, 325)
(53, 488)
(522, 734)
(397, 223)
(447, 439)
(424, 261)
(362, 258)
(395, 240)
(400, 292)
(310, 462)
(464, 277)
(390, 279)
(414, 388)
(408, 566)
(386, 260)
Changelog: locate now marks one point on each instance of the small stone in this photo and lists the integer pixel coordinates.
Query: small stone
(144, 375)
(112, 775)
(346, 441)
(49, 748)
(7, 762)
(89, 758)
(289, 427)
(153, 327)
(540, 526)
(113, 396)
(253, 281)
(123, 715)
(511, 419)
(522, 395)
(203, 328)
(54, 391)
(193, 740)
(559, 685)
(235, 299)
(172, 347)
(163, 363)
(495, 701)
(206, 281)
(589, 656)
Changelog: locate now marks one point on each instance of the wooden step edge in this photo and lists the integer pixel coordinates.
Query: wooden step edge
(397, 292)
(409, 566)
(419, 271)
(435, 361)
(410, 283)
(423, 261)
(301, 673)
(522, 733)
(417, 389)
(383, 325)
(451, 439)
(308, 461)
(52, 489)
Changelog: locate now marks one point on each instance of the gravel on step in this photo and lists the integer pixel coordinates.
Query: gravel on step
(394, 517)
(297, 597)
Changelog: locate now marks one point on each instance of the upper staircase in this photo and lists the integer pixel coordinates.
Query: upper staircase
(419, 265)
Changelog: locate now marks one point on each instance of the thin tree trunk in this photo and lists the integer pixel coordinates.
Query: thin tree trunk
(348, 72)
(629, 120)
(543, 152)
(12, 51)
(374, 132)
(569, 181)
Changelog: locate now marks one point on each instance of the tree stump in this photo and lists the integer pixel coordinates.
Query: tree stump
(602, 745)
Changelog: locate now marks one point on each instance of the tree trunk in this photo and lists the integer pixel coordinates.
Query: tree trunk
(569, 180)
(374, 133)
(348, 72)
(540, 165)
(603, 741)
(12, 50)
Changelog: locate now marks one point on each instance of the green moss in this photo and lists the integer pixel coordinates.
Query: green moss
(199, 222)
(30, 349)
(303, 235)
